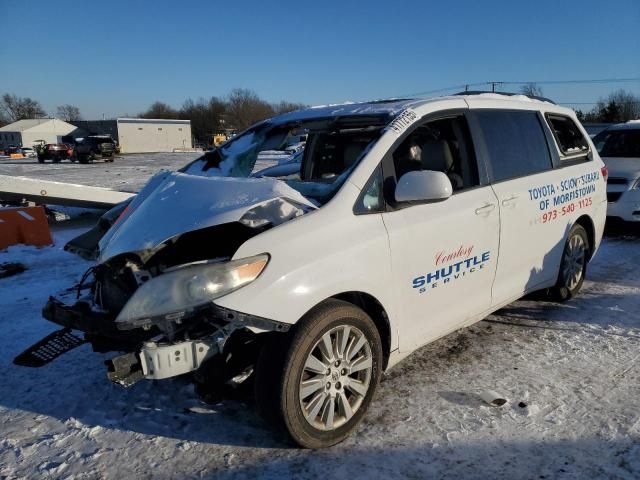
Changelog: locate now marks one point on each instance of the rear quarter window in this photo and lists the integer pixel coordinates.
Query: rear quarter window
(515, 143)
(572, 143)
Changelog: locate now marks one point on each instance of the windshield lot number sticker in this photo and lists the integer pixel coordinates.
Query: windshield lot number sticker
(402, 121)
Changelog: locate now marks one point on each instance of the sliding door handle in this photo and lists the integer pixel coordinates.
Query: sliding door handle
(486, 210)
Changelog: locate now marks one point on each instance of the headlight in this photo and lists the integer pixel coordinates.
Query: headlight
(636, 186)
(177, 291)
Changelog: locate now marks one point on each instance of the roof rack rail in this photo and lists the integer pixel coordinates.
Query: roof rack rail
(508, 94)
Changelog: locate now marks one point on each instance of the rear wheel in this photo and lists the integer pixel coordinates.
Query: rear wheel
(324, 383)
(573, 266)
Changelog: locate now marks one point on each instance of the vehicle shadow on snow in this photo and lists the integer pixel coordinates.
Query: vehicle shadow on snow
(75, 391)
(615, 228)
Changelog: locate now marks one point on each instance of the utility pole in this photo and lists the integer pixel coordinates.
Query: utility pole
(493, 85)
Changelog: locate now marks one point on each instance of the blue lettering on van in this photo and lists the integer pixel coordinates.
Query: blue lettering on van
(449, 273)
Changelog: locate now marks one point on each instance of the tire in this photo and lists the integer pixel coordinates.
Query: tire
(316, 395)
(573, 266)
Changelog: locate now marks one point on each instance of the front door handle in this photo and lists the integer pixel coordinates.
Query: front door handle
(486, 210)
(509, 201)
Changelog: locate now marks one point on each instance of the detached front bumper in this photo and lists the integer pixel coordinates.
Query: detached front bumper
(151, 352)
(80, 316)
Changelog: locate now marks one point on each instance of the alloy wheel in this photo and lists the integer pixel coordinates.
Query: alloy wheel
(573, 262)
(335, 378)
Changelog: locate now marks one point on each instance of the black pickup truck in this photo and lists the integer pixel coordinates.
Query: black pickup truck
(89, 148)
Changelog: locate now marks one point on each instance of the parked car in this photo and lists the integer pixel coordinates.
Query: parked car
(28, 152)
(56, 152)
(87, 149)
(409, 219)
(619, 147)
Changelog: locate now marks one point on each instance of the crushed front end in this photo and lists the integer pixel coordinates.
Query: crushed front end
(150, 297)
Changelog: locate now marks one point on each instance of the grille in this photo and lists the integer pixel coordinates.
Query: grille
(617, 181)
(613, 196)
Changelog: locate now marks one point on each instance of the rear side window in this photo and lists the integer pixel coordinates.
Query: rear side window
(515, 143)
(568, 135)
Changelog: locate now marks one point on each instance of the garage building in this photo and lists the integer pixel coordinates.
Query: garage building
(141, 135)
(24, 133)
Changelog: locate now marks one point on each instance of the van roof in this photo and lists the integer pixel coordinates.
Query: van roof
(389, 108)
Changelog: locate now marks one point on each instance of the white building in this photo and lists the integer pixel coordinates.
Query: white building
(135, 135)
(26, 132)
(139, 135)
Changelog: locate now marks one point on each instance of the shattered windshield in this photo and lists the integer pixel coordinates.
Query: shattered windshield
(317, 167)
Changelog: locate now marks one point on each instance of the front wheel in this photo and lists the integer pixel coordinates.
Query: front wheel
(328, 375)
(573, 266)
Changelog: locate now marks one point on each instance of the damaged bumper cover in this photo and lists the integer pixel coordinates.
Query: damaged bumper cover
(81, 317)
(148, 357)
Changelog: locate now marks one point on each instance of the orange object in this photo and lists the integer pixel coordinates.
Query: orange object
(16, 155)
(27, 225)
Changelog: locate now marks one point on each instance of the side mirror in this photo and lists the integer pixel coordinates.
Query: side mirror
(423, 186)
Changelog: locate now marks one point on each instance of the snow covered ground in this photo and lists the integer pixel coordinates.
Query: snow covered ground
(574, 366)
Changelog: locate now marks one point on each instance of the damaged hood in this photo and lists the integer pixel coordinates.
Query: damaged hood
(173, 203)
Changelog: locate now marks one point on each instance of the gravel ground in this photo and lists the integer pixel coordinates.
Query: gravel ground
(128, 173)
(570, 373)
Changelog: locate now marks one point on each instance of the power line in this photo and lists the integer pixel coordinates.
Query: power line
(539, 82)
(560, 82)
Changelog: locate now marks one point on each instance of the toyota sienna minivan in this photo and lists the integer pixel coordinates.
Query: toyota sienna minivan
(406, 220)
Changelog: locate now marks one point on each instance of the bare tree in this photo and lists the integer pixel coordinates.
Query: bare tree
(531, 89)
(206, 116)
(284, 107)
(68, 113)
(619, 106)
(16, 108)
(244, 108)
(159, 110)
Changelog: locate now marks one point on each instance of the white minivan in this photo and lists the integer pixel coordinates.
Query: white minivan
(619, 147)
(406, 220)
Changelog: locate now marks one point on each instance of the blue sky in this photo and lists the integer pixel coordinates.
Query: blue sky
(117, 57)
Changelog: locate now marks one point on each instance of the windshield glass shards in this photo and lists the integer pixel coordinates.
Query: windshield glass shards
(316, 167)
